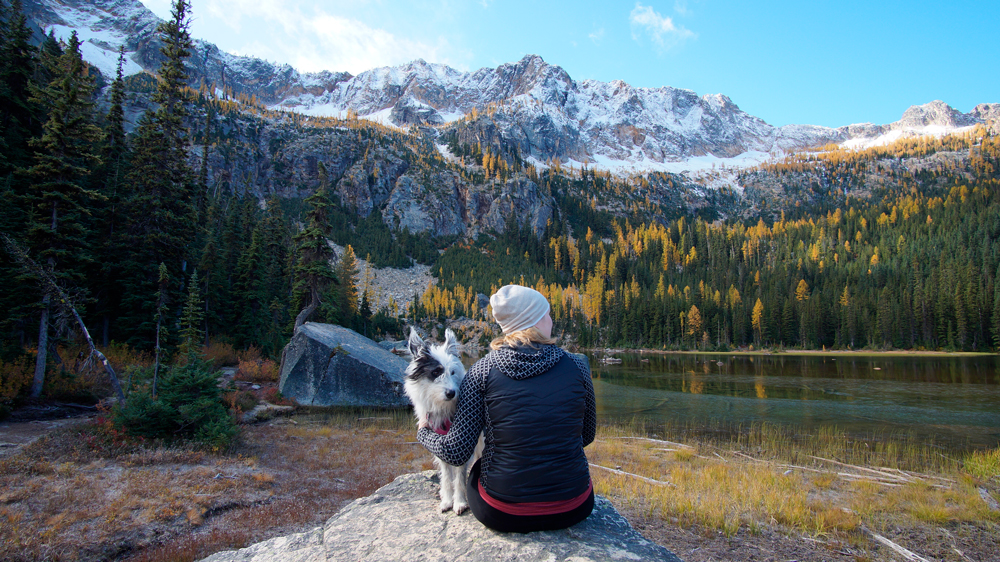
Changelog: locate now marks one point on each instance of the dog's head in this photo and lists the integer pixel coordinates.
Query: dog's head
(434, 373)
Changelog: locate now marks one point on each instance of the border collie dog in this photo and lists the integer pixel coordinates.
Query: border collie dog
(433, 378)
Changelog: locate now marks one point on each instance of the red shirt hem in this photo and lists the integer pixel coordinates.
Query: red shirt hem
(535, 508)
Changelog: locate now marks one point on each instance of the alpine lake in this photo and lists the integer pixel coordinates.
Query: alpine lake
(952, 401)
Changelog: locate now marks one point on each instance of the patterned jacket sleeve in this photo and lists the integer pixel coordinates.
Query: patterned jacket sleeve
(456, 446)
(590, 414)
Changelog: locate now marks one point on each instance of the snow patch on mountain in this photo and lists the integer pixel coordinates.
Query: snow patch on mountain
(694, 167)
(99, 39)
(930, 119)
(894, 135)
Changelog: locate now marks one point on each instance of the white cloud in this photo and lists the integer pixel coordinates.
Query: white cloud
(681, 7)
(661, 30)
(314, 39)
(596, 36)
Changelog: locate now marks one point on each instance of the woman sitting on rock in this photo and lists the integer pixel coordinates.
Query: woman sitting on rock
(534, 404)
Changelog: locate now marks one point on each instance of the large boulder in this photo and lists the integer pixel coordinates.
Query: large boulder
(328, 365)
(400, 521)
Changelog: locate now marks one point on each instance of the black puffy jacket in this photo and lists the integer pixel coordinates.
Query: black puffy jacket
(537, 412)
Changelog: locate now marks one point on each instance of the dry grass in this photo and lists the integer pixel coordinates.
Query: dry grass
(750, 483)
(99, 496)
(983, 464)
(64, 499)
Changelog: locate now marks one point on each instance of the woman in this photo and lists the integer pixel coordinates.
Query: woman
(534, 404)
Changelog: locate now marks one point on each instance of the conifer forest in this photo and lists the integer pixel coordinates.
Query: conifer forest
(896, 246)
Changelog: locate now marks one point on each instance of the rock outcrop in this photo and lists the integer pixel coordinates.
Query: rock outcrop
(328, 365)
(400, 521)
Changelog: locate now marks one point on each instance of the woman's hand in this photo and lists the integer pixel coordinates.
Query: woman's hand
(423, 423)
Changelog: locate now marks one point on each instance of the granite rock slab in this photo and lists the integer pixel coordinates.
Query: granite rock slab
(400, 521)
(329, 365)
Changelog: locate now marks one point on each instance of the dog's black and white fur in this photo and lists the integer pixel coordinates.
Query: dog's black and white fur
(433, 378)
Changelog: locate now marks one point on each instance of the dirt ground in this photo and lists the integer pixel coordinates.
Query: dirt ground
(62, 499)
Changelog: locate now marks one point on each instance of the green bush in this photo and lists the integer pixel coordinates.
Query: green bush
(188, 405)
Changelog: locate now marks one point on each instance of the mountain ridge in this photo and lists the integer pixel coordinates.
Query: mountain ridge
(537, 106)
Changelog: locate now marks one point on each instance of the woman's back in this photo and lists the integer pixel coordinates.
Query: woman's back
(536, 405)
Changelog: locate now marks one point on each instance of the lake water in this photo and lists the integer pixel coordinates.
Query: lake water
(954, 400)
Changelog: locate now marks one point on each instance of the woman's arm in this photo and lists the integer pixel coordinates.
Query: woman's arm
(590, 402)
(457, 446)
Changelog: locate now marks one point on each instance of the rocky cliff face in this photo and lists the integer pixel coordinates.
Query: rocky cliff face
(370, 171)
(526, 110)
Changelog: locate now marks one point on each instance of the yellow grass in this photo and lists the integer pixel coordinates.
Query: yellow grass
(60, 499)
(983, 464)
(752, 482)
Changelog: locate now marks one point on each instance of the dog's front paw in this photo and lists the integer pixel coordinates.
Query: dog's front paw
(445, 506)
(461, 508)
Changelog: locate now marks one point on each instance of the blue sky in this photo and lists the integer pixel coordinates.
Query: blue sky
(822, 63)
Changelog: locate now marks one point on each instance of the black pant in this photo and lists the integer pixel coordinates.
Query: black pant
(507, 523)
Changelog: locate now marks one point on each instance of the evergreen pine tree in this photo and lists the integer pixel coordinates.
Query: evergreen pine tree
(19, 119)
(108, 179)
(250, 291)
(312, 269)
(192, 318)
(215, 280)
(59, 196)
(159, 209)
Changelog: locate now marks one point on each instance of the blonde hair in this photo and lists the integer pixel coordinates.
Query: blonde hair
(526, 337)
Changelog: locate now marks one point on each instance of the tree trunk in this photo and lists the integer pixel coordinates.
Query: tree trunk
(307, 311)
(156, 361)
(43, 349)
(93, 349)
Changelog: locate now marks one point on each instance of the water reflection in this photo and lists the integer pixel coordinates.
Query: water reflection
(945, 398)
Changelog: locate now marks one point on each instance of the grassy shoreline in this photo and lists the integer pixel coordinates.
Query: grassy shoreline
(803, 352)
(803, 496)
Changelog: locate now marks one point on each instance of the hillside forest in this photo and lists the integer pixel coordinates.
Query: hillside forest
(896, 246)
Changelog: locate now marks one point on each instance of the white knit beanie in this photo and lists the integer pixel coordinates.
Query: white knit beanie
(517, 308)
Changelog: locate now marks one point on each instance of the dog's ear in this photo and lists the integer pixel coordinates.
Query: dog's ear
(415, 344)
(451, 343)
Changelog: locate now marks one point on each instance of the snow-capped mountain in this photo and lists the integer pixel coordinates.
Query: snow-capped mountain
(934, 118)
(104, 25)
(531, 104)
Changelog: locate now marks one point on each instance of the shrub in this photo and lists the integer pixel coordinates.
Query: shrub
(241, 401)
(122, 356)
(274, 396)
(261, 370)
(220, 354)
(255, 368)
(188, 405)
(15, 375)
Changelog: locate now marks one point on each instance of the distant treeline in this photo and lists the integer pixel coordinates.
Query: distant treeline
(911, 266)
